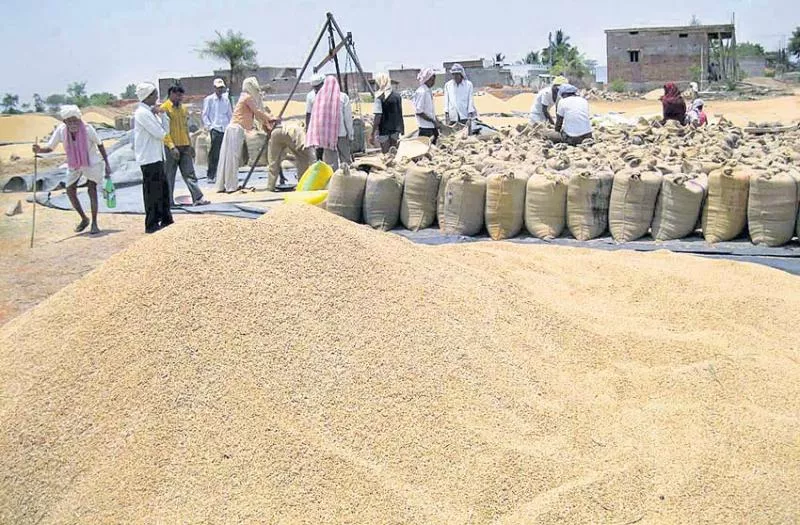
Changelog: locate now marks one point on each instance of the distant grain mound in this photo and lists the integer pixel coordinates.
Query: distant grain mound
(332, 373)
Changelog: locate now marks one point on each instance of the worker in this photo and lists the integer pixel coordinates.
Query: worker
(179, 147)
(696, 116)
(547, 96)
(388, 125)
(428, 124)
(82, 145)
(316, 84)
(691, 92)
(217, 114)
(330, 125)
(248, 109)
(287, 139)
(572, 116)
(459, 105)
(149, 131)
(673, 105)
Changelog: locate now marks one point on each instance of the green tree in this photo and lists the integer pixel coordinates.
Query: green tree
(77, 94)
(55, 101)
(499, 58)
(38, 103)
(749, 49)
(239, 52)
(532, 57)
(794, 43)
(10, 103)
(26, 107)
(101, 99)
(130, 92)
(559, 49)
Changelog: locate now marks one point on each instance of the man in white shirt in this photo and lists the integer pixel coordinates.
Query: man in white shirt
(217, 114)
(547, 96)
(148, 146)
(423, 106)
(573, 120)
(459, 105)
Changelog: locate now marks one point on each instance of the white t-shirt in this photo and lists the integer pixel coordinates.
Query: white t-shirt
(310, 101)
(543, 98)
(575, 111)
(59, 136)
(423, 103)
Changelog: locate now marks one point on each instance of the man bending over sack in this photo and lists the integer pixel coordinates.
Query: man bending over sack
(285, 139)
(572, 116)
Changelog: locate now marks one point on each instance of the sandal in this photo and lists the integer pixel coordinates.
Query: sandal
(95, 229)
(82, 225)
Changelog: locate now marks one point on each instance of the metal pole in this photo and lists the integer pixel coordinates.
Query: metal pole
(286, 103)
(35, 180)
(332, 46)
(352, 53)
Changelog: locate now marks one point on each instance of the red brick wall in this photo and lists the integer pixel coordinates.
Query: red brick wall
(663, 57)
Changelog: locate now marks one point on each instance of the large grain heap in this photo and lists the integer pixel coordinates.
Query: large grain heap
(326, 372)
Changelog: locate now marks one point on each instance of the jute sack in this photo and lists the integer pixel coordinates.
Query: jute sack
(346, 193)
(546, 204)
(678, 206)
(725, 211)
(382, 197)
(772, 208)
(632, 203)
(254, 140)
(418, 206)
(505, 204)
(464, 201)
(588, 194)
(201, 145)
(445, 176)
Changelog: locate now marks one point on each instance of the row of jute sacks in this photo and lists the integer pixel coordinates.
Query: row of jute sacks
(630, 203)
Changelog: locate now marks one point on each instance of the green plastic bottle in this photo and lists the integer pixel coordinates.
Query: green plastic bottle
(109, 193)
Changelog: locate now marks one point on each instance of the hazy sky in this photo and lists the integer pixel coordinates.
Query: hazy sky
(110, 44)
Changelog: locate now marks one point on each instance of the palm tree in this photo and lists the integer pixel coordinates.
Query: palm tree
(532, 58)
(561, 40)
(235, 49)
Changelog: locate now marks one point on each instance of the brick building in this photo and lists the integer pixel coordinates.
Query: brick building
(647, 57)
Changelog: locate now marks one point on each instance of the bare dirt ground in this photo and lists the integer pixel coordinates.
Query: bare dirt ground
(59, 256)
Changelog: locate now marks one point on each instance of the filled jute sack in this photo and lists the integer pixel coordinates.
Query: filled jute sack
(444, 177)
(382, 197)
(420, 191)
(588, 194)
(201, 145)
(505, 204)
(772, 208)
(725, 210)
(254, 141)
(632, 203)
(546, 204)
(346, 193)
(678, 206)
(464, 202)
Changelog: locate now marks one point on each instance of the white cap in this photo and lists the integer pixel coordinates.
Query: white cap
(318, 79)
(144, 90)
(218, 82)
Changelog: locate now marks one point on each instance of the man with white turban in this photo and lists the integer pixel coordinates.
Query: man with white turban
(388, 124)
(82, 145)
(148, 146)
(459, 105)
(423, 106)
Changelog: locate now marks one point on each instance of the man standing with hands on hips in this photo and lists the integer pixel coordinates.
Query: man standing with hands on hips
(179, 147)
(217, 114)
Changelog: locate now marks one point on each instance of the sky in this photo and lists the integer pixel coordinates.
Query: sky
(112, 44)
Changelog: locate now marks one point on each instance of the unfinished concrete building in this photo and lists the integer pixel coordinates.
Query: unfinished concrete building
(645, 58)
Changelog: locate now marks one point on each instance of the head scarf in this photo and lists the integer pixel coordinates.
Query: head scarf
(384, 84)
(560, 80)
(425, 75)
(694, 86)
(326, 115)
(251, 87)
(697, 104)
(671, 93)
(317, 79)
(567, 89)
(70, 111)
(76, 144)
(144, 90)
(458, 68)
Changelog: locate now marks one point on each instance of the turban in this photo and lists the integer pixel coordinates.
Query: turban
(70, 111)
(560, 80)
(218, 82)
(317, 79)
(425, 75)
(458, 68)
(384, 84)
(567, 89)
(697, 104)
(144, 90)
